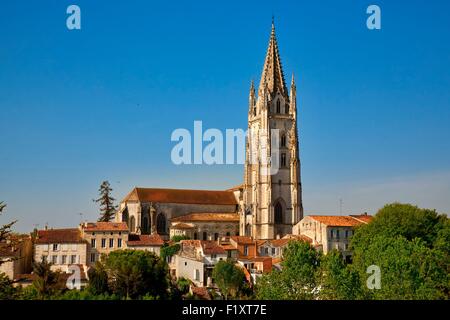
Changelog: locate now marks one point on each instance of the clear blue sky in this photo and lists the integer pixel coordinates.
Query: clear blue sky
(78, 107)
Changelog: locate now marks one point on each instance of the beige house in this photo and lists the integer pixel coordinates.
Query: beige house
(61, 247)
(103, 237)
(205, 226)
(196, 260)
(331, 232)
(15, 256)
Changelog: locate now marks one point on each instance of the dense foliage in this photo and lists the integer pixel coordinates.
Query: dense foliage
(229, 278)
(410, 246)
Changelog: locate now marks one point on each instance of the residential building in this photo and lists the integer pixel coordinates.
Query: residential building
(15, 256)
(103, 238)
(61, 247)
(145, 242)
(331, 232)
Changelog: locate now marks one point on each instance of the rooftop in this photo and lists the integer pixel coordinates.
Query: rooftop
(105, 226)
(339, 221)
(144, 240)
(181, 196)
(59, 236)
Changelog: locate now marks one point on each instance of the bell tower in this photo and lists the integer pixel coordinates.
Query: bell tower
(272, 200)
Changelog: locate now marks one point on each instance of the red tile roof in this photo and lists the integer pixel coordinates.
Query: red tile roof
(144, 240)
(105, 226)
(208, 217)
(211, 247)
(363, 217)
(243, 240)
(59, 236)
(337, 221)
(181, 225)
(201, 292)
(181, 196)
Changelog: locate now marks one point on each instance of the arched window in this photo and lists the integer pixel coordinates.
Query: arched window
(283, 159)
(145, 225)
(205, 236)
(283, 140)
(248, 229)
(161, 224)
(278, 213)
(286, 108)
(278, 106)
(254, 111)
(228, 234)
(132, 225)
(125, 216)
(195, 236)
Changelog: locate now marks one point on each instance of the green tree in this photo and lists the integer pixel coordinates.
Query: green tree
(337, 280)
(46, 282)
(228, 277)
(298, 279)
(98, 279)
(168, 251)
(133, 274)
(106, 201)
(7, 290)
(5, 230)
(410, 246)
(179, 238)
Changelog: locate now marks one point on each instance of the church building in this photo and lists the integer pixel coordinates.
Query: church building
(269, 202)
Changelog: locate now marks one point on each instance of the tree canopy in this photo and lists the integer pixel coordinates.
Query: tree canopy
(228, 277)
(106, 201)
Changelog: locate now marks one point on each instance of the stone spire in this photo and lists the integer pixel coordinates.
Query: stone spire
(272, 73)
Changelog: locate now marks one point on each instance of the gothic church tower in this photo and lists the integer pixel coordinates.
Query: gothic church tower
(272, 200)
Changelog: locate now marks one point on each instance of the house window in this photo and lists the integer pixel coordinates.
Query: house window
(332, 234)
(283, 140)
(228, 234)
(195, 236)
(54, 259)
(283, 159)
(64, 259)
(245, 250)
(216, 236)
(73, 259)
(55, 247)
(93, 243)
(346, 246)
(266, 251)
(205, 236)
(196, 274)
(44, 258)
(111, 243)
(337, 234)
(185, 263)
(213, 256)
(103, 243)
(92, 257)
(119, 243)
(273, 251)
(278, 106)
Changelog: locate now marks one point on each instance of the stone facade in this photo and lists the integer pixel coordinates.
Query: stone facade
(16, 257)
(331, 232)
(61, 247)
(272, 200)
(102, 238)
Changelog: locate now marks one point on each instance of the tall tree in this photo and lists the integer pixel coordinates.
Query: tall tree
(134, 273)
(106, 201)
(410, 246)
(5, 230)
(298, 279)
(46, 281)
(229, 278)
